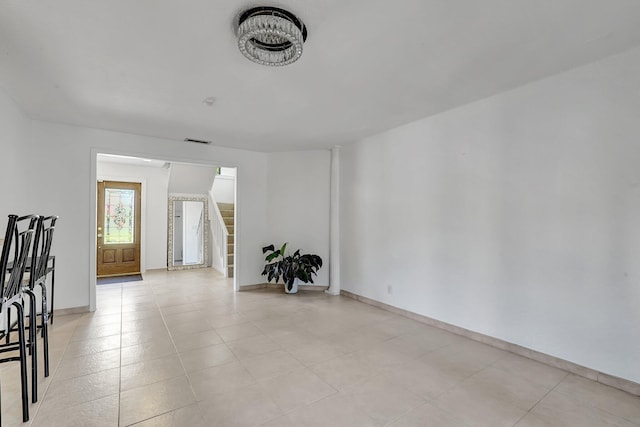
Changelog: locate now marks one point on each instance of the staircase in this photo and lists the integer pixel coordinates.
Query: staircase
(227, 211)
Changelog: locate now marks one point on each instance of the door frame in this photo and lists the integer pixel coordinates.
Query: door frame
(93, 210)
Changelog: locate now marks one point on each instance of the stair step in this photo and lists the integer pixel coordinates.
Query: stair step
(230, 248)
(228, 221)
(230, 239)
(230, 271)
(226, 206)
(230, 259)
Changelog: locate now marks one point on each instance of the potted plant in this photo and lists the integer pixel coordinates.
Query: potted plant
(290, 267)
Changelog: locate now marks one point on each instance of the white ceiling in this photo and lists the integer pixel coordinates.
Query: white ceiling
(145, 66)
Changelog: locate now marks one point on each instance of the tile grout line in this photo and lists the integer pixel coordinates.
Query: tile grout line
(184, 370)
(541, 399)
(561, 385)
(52, 375)
(120, 362)
(595, 406)
(622, 384)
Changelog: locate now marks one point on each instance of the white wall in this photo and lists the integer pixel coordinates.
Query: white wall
(228, 171)
(224, 188)
(154, 209)
(298, 204)
(63, 182)
(517, 216)
(14, 134)
(191, 179)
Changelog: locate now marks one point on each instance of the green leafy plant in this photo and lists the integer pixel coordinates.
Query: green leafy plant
(289, 267)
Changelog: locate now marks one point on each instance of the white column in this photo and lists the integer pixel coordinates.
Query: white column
(334, 238)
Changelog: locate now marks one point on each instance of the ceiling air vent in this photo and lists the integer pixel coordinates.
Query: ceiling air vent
(198, 141)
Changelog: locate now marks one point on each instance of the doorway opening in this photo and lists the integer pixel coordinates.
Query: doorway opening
(159, 180)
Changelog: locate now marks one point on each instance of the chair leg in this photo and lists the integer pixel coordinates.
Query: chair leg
(8, 320)
(33, 344)
(53, 282)
(45, 329)
(23, 363)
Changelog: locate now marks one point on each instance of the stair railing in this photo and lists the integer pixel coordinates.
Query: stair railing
(220, 235)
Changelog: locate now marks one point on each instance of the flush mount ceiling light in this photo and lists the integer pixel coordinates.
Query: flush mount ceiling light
(270, 35)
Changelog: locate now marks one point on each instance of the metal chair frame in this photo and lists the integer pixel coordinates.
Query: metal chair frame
(11, 293)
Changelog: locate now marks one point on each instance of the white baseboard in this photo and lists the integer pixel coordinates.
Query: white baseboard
(281, 286)
(556, 362)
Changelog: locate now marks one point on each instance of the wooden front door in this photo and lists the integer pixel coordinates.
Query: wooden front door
(118, 228)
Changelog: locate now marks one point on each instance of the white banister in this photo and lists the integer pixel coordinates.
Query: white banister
(220, 235)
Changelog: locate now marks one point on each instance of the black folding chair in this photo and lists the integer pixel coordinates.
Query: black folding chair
(39, 266)
(39, 269)
(16, 245)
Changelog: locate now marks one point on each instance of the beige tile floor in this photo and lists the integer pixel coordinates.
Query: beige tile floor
(182, 349)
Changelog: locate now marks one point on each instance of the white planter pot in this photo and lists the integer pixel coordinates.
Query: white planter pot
(294, 287)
